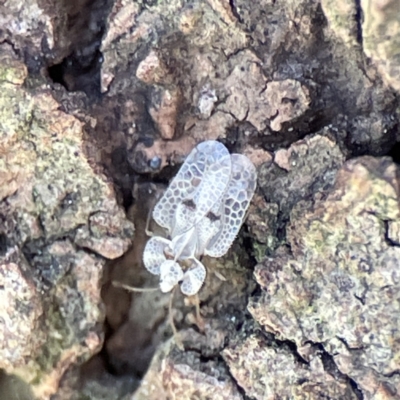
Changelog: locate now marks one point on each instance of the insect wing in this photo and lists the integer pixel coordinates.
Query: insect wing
(207, 228)
(234, 204)
(193, 278)
(170, 274)
(212, 187)
(154, 254)
(204, 158)
(184, 245)
(209, 193)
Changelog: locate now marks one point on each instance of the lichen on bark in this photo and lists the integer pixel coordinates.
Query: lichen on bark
(100, 101)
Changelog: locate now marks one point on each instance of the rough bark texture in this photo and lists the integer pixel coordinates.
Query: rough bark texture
(100, 102)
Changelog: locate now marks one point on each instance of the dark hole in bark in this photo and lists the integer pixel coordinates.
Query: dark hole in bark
(395, 153)
(80, 69)
(3, 243)
(76, 76)
(56, 73)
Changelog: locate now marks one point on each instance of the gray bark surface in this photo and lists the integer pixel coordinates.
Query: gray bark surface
(100, 103)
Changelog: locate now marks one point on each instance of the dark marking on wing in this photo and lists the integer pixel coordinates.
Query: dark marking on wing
(189, 203)
(212, 217)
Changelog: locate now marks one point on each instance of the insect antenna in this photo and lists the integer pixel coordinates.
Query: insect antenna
(133, 289)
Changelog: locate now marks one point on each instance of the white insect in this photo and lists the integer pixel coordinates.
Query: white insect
(202, 211)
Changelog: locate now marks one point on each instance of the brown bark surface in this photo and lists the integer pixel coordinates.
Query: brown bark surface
(100, 103)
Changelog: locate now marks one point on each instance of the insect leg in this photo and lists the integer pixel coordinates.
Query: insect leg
(178, 340)
(199, 319)
(175, 333)
(147, 230)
